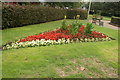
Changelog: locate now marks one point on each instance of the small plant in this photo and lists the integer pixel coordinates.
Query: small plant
(64, 25)
(76, 32)
(75, 27)
(89, 28)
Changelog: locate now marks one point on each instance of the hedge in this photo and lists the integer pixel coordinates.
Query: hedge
(72, 12)
(115, 21)
(16, 15)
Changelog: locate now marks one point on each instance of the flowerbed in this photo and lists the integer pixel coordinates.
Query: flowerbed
(76, 32)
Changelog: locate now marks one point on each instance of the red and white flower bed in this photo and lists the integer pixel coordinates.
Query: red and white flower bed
(58, 36)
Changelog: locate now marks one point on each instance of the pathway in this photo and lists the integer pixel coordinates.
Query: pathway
(106, 24)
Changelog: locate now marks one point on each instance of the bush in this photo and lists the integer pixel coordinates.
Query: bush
(17, 15)
(75, 27)
(74, 12)
(115, 21)
(64, 25)
(88, 28)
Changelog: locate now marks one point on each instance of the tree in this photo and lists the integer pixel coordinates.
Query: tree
(64, 4)
(106, 8)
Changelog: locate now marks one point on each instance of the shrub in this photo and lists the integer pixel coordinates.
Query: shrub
(17, 15)
(115, 21)
(88, 28)
(74, 12)
(64, 25)
(75, 27)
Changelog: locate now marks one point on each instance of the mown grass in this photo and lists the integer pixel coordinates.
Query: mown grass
(104, 18)
(17, 33)
(100, 59)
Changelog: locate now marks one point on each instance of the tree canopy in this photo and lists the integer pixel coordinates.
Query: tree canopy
(65, 4)
(106, 8)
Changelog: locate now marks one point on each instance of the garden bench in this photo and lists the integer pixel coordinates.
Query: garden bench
(96, 20)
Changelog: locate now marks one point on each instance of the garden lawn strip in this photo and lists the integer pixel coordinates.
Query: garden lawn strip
(44, 61)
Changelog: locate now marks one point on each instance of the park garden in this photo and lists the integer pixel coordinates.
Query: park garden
(51, 40)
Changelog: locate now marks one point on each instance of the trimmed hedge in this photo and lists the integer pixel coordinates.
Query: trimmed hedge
(115, 21)
(71, 13)
(16, 15)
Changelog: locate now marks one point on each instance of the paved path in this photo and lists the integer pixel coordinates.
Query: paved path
(106, 24)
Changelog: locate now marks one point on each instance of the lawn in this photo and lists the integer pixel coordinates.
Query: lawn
(82, 60)
(104, 18)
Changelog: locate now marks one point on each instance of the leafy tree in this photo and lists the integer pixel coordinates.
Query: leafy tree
(106, 8)
(64, 4)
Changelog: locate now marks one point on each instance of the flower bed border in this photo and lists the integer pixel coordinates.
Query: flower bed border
(33, 43)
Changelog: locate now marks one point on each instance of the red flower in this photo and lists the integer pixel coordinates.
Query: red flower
(59, 34)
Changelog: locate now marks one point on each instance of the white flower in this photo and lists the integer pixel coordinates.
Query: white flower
(54, 42)
(59, 41)
(77, 40)
(8, 46)
(68, 41)
(63, 41)
(81, 40)
(92, 39)
(109, 39)
(48, 42)
(51, 42)
(104, 39)
(72, 41)
(42, 40)
(96, 39)
(42, 43)
(86, 40)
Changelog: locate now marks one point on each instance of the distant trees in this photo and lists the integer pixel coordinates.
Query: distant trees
(65, 4)
(51, 4)
(106, 8)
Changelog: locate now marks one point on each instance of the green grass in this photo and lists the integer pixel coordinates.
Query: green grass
(17, 33)
(104, 18)
(100, 59)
